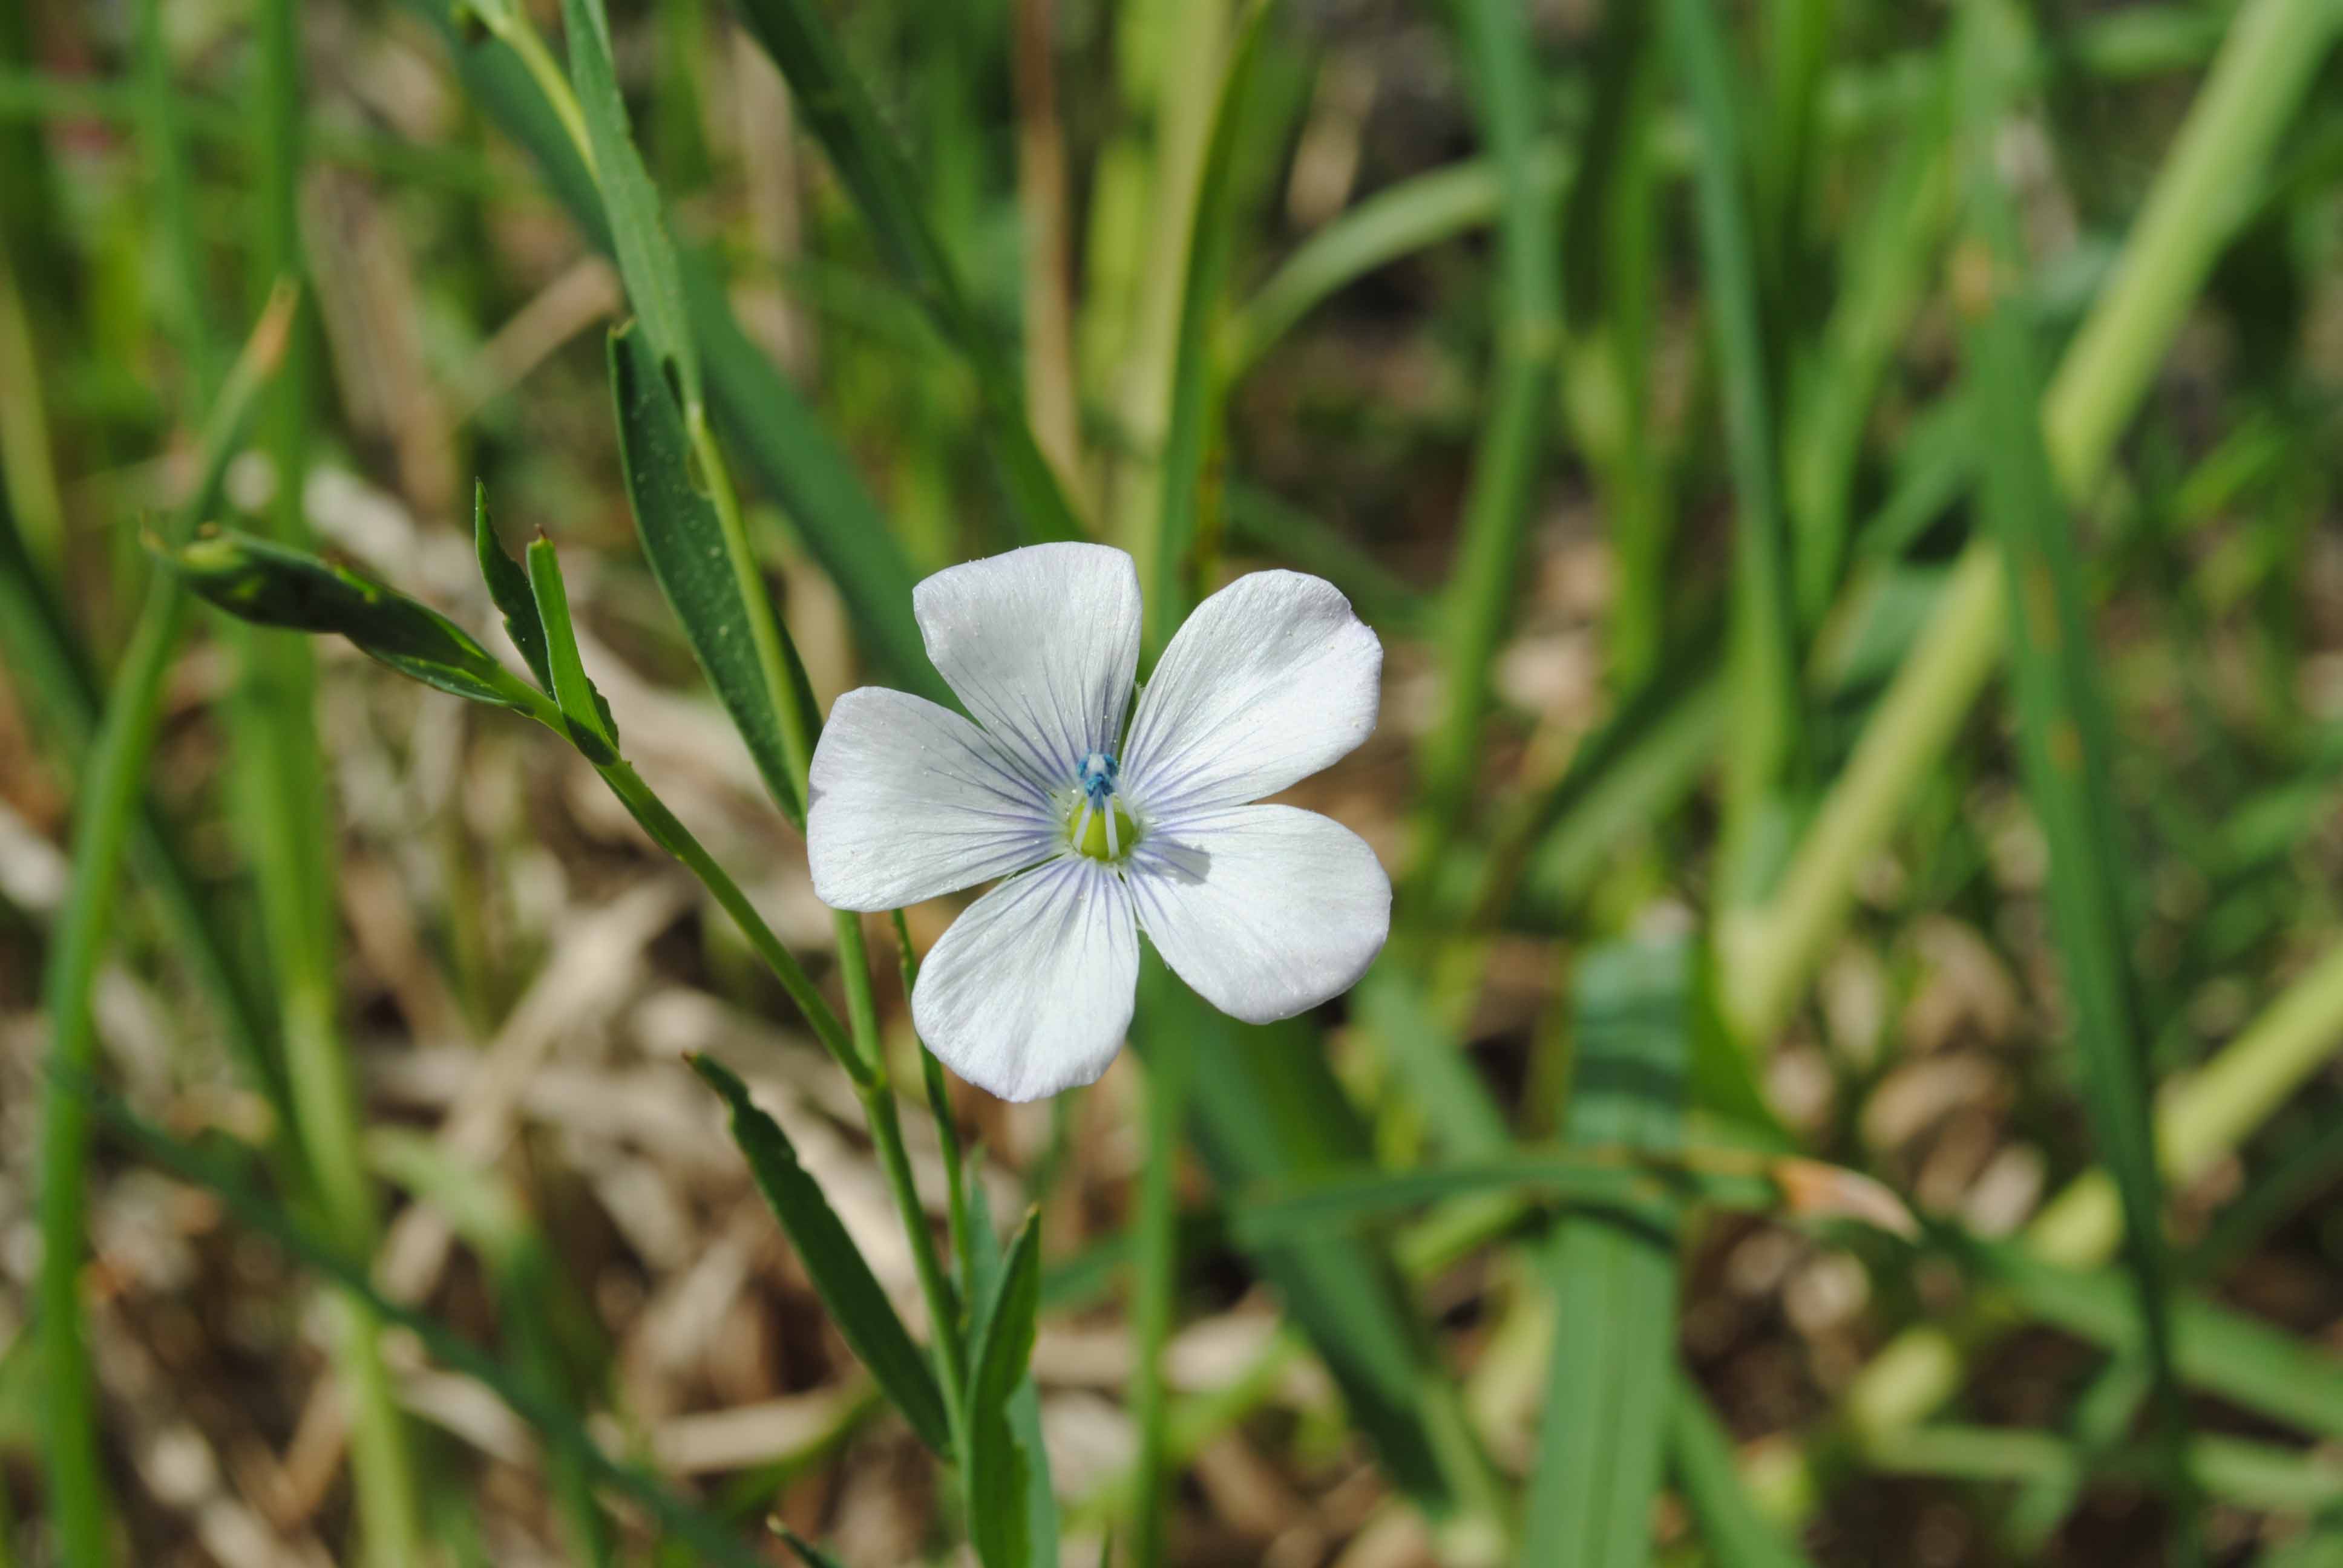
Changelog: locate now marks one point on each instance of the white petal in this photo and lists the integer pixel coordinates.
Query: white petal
(1265, 910)
(911, 800)
(1270, 680)
(1030, 990)
(1042, 644)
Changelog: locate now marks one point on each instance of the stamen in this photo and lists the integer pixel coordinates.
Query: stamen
(1099, 826)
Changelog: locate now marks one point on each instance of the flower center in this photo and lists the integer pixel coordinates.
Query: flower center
(1099, 826)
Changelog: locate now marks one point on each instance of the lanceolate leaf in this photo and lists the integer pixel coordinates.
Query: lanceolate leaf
(857, 1304)
(270, 585)
(988, 1268)
(999, 1467)
(782, 438)
(509, 587)
(638, 230)
(689, 554)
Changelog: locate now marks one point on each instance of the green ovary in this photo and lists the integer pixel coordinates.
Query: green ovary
(1093, 841)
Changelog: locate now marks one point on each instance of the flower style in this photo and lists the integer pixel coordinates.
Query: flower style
(1265, 910)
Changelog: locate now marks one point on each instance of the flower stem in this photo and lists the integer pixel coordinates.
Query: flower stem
(1154, 1286)
(671, 834)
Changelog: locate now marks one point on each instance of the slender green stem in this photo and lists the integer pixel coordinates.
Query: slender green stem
(111, 794)
(943, 1329)
(1154, 1288)
(931, 1071)
(665, 827)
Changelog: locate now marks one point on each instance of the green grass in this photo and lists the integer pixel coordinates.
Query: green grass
(1846, 492)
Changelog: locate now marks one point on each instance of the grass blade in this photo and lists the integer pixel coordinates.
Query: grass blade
(1768, 742)
(1701, 1455)
(1506, 468)
(111, 792)
(839, 110)
(858, 1304)
(1186, 524)
(2067, 752)
(1267, 1109)
(1614, 1274)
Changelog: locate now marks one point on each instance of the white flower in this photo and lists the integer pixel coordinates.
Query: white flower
(1265, 910)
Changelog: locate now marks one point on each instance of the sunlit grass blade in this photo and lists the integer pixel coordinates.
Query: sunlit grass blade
(858, 1304)
(989, 1264)
(701, 567)
(1186, 520)
(1768, 725)
(228, 1179)
(1613, 1272)
(109, 800)
(839, 110)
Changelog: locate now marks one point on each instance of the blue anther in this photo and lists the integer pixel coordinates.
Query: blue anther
(1097, 773)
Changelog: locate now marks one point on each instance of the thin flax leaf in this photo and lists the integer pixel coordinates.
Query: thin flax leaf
(857, 1304)
(509, 587)
(999, 1467)
(783, 441)
(639, 233)
(696, 566)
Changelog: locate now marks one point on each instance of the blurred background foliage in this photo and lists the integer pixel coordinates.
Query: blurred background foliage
(1846, 490)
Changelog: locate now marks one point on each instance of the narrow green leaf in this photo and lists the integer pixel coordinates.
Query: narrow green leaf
(638, 230)
(1614, 1275)
(1701, 1455)
(588, 717)
(694, 562)
(1768, 739)
(1267, 1107)
(269, 585)
(1615, 1178)
(998, 1466)
(987, 1263)
(856, 1302)
(509, 587)
(839, 112)
(764, 418)
(1185, 523)
(2068, 751)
